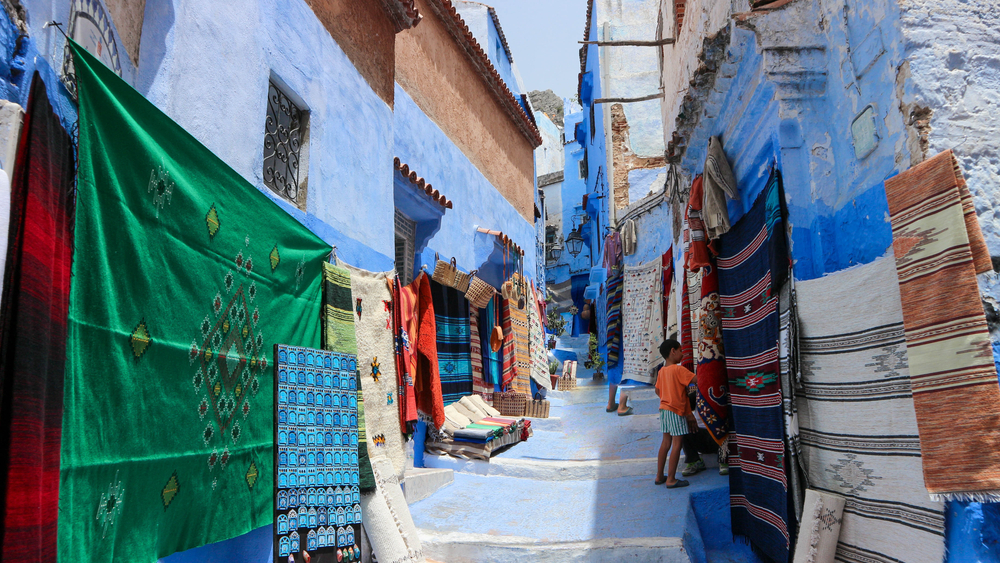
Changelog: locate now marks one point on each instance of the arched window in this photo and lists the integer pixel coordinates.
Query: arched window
(282, 459)
(282, 376)
(282, 524)
(282, 397)
(310, 378)
(302, 378)
(309, 398)
(284, 547)
(311, 540)
(282, 437)
(295, 541)
(336, 363)
(282, 500)
(327, 381)
(293, 519)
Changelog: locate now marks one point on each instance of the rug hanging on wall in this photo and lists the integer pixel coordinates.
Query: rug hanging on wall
(788, 361)
(339, 336)
(184, 277)
(939, 250)
(758, 481)
(33, 332)
(387, 520)
(404, 310)
(539, 353)
(858, 427)
(451, 312)
(712, 402)
(616, 290)
(375, 362)
(685, 334)
(642, 312)
(479, 384)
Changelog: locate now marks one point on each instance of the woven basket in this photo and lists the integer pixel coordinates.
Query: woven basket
(537, 409)
(510, 404)
(566, 383)
(479, 292)
(447, 273)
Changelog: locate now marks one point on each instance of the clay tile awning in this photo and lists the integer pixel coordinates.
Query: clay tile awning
(420, 184)
(403, 13)
(463, 35)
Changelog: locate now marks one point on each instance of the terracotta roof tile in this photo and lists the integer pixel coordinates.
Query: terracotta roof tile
(421, 184)
(461, 33)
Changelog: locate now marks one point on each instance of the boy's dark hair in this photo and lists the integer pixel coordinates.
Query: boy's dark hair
(668, 345)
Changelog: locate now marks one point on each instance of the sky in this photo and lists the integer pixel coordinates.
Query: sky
(544, 39)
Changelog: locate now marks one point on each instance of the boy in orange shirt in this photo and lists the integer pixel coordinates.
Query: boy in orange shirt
(671, 387)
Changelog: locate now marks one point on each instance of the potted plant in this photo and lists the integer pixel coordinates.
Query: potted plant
(594, 359)
(553, 368)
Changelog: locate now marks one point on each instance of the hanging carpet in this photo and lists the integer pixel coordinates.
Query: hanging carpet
(939, 250)
(375, 362)
(616, 289)
(712, 401)
(404, 311)
(788, 361)
(858, 426)
(758, 481)
(427, 379)
(642, 332)
(339, 336)
(493, 361)
(451, 313)
(539, 354)
(184, 278)
(479, 382)
(33, 332)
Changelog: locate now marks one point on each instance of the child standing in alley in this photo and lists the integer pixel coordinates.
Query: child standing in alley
(671, 387)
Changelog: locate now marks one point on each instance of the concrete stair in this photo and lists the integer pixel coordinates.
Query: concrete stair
(579, 490)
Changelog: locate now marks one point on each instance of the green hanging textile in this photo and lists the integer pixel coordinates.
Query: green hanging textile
(339, 336)
(185, 276)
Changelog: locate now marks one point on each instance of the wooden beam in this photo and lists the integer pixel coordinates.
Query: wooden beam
(627, 100)
(657, 43)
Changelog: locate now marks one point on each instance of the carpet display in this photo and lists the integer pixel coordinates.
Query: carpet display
(939, 250)
(517, 340)
(427, 379)
(685, 334)
(536, 345)
(758, 481)
(391, 532)
(788, 362)
(33, 332)
(339, 313)
(642, 312)
(616, 289)
(479, 384)
(712, 401)
(451, 313)
(375, 360)
(858, 427)
(817, 542)
(694, 305)
(404, 300)
(508, 348)
(184, 277)
(317, 494)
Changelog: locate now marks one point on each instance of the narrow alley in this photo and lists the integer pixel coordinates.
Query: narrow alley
(463, 281)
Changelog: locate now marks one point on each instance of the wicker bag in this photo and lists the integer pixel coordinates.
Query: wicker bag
(479, 292)
(510, 403)
(447, 273)
(537, 409)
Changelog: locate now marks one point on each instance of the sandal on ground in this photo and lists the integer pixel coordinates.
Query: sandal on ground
(612, 409)
(680, 483)
(627, 412)
(660, 482)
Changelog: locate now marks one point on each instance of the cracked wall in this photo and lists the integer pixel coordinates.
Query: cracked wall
(634, 176)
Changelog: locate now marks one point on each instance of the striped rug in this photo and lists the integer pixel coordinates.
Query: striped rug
(451, 315)
(616, 288)
(858, 428)
(758, 481)
(479, 384)
(939, 250)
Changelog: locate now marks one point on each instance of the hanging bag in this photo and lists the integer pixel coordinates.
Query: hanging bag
(496, 335)
(447, 273)
(479, 292)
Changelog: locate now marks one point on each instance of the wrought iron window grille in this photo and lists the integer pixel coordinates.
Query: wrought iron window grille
(283, 141)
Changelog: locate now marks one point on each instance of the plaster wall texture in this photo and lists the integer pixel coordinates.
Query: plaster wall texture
(367, 36)
(419, 142)
(127, 15)
(226, 110)
(572, 206)
(632, 71)
(642, 182)
(549, 156)
(953, 72)
(434, 70)
(553, 207)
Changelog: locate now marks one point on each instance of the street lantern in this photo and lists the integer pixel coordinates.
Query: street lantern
(575, 242)
(555, 252)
